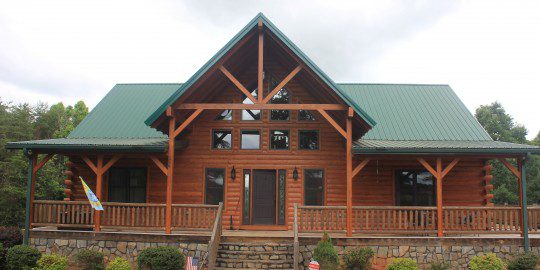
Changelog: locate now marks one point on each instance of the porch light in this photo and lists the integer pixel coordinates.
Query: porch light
(295, 174)
(233, 173)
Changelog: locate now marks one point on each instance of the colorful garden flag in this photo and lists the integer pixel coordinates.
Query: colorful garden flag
(94, 201)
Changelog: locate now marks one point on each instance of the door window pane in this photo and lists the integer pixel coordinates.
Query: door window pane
(281, 196)
(279, 139)
(250, 114)
(415, 188)
(313, 187)
(308, 139)
(127, 185)
(282, 97)
(245, 210)
(215, 181)
(225, 115)
(221, 139)
(305, 116)
(251, 139)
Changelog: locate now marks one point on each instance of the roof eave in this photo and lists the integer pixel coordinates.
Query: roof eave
(445, 151)
(99, 148)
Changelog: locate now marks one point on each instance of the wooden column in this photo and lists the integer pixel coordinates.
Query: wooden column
(99, 187)
(260, 64)
(170, 171)
(349, 171)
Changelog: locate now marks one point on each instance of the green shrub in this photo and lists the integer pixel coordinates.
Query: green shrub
(161, 258)
(523, 261)
(10, 236)
(119, 263)
(89, 260)
(486, 262)
(22, 257)
(439, 266)
(402, 264)
(52, 262)
(325, 253)
(358, 258)
(2, 257)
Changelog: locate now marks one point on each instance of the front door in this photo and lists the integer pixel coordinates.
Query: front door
(264, 197)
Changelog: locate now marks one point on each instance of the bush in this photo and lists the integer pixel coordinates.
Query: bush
(119, 263)
(2, 257)
(402, 264)
(10, 236)
(22, 257)
(52, 262)
(523, 261)
(358, 258)
(325, 253)
(90, 260)
(486, 262)
(161, 258)
(439, 266)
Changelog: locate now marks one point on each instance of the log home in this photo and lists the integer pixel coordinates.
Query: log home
(261, 139)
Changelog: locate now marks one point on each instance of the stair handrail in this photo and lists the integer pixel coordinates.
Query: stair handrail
(296, 244)
(215, 240)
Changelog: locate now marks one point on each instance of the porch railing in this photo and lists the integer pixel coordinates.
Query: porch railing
(417, 220)
(120, 216)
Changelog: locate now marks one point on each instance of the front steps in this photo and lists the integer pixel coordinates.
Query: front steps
(255, 255)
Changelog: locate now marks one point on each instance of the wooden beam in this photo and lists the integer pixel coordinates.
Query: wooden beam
(99, 183)
(512, 169)
(170, 172)
(449, 167)
(428, 167)
(159, 164)
(238, 84)
(260, 64)
(360, 166)
(186, 123)
(239, 106)
(90, 164)
(42, 162)
(111, 162)
(333, 122)
(282, 84)
(439, 180)
(349, 175)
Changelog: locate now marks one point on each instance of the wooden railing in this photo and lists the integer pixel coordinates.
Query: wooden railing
(146, 216)
(63, 214)
(296, 242)
(322, 218)
(534, 219)
(478, 220)
(394, 219)
(193, 216)
(215, 240)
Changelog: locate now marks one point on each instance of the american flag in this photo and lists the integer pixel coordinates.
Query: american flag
(192, 263)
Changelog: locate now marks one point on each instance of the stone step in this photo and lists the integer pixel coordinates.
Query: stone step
(254, 264)
(250, 252)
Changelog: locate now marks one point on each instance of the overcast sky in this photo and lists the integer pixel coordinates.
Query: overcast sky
(66, 51)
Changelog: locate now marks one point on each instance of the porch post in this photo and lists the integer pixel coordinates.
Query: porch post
(30, 186)
(439, 178)
(349, 171)
(523, 195)
(170, 171)
(99, 184)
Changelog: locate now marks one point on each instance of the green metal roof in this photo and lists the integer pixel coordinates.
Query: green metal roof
(415, 112)
(97, 144)
(252, 24)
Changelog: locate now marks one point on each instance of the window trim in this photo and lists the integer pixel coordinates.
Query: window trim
(205, 184)
(260, 139)
(323, 184)
(318, 140)
(397, 189)
(270, 140)
(212, 139)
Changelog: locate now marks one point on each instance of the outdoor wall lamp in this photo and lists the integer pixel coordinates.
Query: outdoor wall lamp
(295, 174)
(233, 173)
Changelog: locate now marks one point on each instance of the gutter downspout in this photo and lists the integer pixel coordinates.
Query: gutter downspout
(524, 204)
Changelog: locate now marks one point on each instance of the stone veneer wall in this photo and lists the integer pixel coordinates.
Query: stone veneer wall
(458, 251)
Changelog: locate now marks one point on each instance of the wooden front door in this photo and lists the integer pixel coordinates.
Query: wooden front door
(264, 197)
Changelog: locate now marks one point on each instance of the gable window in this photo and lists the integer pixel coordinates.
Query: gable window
(250, 115)
(214, 183)
(279, 139)
(127, 185)
(281, 97)
(313, 187)
(415, 188)
(221, 139)
(251, 139)
(225, 115)
(304, 115)
(308, 140)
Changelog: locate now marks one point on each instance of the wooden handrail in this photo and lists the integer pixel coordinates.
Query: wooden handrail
(213, 244)
(296, 244)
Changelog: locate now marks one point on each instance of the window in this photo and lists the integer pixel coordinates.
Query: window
(308, 140)
(281, 97)
(313, 187)
(246, 209)
(225, 115)
(215, 181)
(127, 185)
(221, 139)
(282, 174)
(305, 116)
(250, 115)
(251, 139)
(415, 188)
(279, 139)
